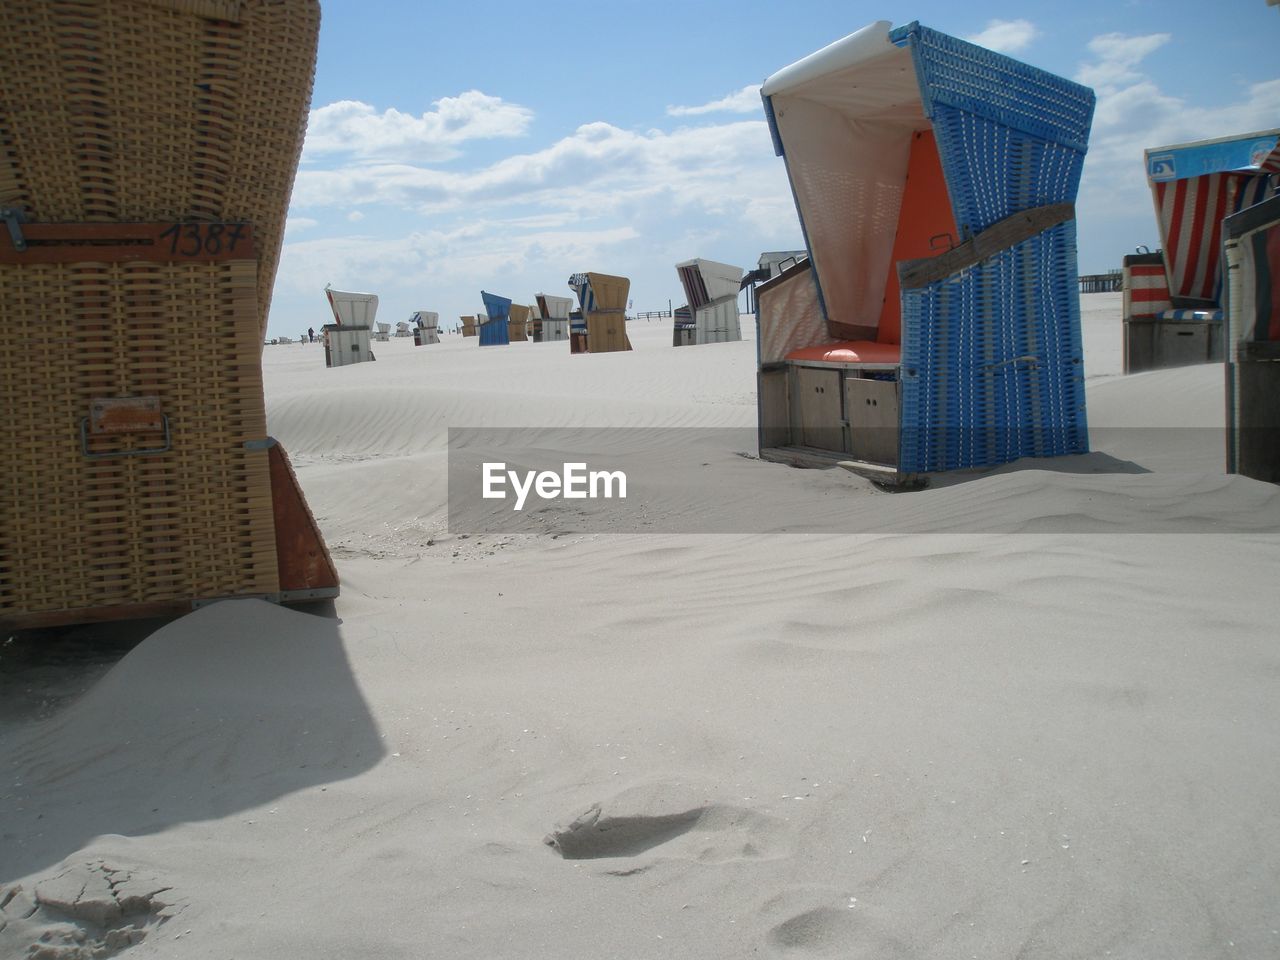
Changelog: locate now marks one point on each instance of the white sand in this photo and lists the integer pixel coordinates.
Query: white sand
(992, 743)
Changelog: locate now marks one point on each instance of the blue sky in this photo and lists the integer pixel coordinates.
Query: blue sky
(503, 145)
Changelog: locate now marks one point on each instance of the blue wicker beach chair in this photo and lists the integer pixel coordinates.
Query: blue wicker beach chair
(493, 327)
(1173, 298)
(936, 323)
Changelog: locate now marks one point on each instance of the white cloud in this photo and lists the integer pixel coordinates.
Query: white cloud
(746, 100)
(356, 128)
(1117, 57)
(1133, 114)
(299, 223)
(597, 169)
(1006, 36)
(355, 216)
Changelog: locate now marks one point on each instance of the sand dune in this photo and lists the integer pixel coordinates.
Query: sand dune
(1027, 712)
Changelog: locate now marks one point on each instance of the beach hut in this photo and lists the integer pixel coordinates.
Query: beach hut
(602, 328)
(494, 330)
(144, 214)
(346, 340)
(1173, 298)
(711, 289)
(936, 321)
(1252, 304)
(426, 327)
(517, 322)
(554, 312)
(469, 326)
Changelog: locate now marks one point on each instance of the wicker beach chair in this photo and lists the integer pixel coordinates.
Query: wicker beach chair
(147, 154)
(1251, 249)
(346, 340)
(1173, 314)
(494, 330)
(554, 313)
(936, 322)
(425, 327)
(469, 326)
(602, 327)
(711, 290)
(517, 322)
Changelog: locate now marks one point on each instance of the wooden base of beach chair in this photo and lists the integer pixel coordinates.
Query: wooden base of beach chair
(811, 458)
(1154, 344)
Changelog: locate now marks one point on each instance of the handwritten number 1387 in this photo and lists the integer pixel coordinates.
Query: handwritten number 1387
(209, 239)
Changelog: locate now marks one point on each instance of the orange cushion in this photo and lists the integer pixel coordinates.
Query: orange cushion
(850, 351)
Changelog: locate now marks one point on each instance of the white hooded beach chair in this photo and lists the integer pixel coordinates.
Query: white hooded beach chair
(554, 324)
(426, 327)
(711, 290)
(346, 340)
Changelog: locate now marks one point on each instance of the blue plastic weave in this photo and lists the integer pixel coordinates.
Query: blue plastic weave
(1010, 136)
(992, 361)
(494, 333)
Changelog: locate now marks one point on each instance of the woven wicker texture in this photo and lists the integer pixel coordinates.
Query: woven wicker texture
(992, 360)
(143, 110)
(606, 319)
(120, 110)
(1010, 136)
(195, 522)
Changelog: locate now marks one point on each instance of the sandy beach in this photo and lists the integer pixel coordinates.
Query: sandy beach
(1029, 712)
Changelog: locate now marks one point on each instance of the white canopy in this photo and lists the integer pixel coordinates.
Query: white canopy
(843, 118)
(353, 309)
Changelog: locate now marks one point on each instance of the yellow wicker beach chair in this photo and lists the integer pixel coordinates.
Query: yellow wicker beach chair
(147, 154)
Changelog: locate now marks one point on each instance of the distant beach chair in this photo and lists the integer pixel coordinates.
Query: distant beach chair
(138, 478)
(469, 326)
(554, 311)
(426, 328)
(936, 323)
(602, 328)
(711, 290)
(517, 322)
(494, 330)
(1173, 312)
(346, 340)
(382, 332)
(1252, 303)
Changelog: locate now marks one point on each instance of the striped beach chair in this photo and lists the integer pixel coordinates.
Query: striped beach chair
(149, 151)
(1194, 187)
(711, 290)
(936, 323)
(494, 330)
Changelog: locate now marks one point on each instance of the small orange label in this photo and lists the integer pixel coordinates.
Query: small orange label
(125, 415)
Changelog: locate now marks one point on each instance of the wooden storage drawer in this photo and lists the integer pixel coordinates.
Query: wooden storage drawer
(818, 408)
(871, 407)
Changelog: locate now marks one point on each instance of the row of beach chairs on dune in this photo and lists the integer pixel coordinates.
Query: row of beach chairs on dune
(597, 326)
(934, 324)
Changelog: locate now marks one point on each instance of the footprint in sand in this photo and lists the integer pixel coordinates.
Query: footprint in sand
(86, 911)
(640, 821)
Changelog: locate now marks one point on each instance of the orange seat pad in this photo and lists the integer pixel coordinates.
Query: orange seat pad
(850, 351)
